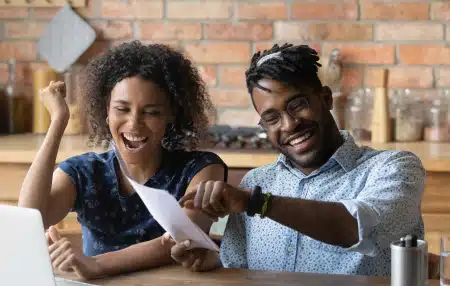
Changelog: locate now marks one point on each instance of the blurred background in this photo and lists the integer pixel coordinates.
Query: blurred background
(410, 39)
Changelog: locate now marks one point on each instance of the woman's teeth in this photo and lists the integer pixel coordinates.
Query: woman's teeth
(133, 138)
(300, 139)
(134, 143)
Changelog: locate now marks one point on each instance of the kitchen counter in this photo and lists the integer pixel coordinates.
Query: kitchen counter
(18, 151)
(23, 148)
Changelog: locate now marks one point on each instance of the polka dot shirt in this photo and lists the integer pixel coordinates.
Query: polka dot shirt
(381, 189)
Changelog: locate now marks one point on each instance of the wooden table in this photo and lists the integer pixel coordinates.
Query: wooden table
(176, 275)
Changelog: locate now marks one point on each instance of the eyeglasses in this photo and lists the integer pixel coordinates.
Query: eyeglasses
(296, 108)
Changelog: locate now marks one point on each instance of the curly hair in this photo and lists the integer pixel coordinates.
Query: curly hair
(288, 64)
(164, 66)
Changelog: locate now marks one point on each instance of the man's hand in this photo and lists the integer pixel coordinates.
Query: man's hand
(197, 259)
(66, 258)
(217, 199)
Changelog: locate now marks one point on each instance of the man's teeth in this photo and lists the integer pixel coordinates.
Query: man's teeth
(133, 138)
(300, 139)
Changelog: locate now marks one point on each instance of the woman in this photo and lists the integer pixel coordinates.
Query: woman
(152, 103)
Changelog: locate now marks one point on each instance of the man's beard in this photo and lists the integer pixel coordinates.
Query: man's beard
(319, 156)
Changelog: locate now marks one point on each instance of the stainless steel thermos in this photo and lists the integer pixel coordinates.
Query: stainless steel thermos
(409, 262)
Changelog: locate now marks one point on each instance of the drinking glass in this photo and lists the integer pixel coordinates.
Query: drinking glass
(445, 261)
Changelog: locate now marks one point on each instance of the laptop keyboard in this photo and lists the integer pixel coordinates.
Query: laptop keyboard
(66, 282)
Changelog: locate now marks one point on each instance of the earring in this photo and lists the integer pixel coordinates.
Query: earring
(170, 128)
(168, 136)
(107, 119)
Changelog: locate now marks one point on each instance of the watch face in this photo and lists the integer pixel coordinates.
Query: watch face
(256, 201)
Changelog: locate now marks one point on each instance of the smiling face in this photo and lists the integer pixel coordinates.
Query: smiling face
(307, 135)
(138, 114)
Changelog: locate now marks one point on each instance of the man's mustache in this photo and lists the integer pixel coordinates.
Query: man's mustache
(301, 127)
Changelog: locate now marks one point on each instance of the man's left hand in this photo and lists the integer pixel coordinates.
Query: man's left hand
(217, 198)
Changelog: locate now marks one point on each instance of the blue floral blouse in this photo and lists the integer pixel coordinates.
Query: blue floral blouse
(111, 221)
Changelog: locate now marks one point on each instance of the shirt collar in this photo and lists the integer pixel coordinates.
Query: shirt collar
(346, 155)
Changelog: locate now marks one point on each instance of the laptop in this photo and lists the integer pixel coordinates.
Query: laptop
(24, 257)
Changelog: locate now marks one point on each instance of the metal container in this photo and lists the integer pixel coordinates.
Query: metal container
(409, 264)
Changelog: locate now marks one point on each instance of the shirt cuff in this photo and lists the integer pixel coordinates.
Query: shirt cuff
(367, 220)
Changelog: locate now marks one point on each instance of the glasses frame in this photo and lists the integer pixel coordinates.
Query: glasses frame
(262, 123)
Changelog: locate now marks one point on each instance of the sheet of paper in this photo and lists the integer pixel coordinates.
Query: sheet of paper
(168, 213)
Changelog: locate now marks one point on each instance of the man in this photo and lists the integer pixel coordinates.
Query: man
(326, 205)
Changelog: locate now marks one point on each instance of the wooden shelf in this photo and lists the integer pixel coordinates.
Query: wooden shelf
(21, 149)
(42, 3)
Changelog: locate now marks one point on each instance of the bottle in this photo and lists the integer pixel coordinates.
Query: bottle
(18, 106)
(4, 116)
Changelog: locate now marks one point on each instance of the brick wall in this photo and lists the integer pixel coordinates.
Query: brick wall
(411, 38)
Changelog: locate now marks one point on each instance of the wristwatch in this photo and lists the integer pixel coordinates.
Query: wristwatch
(255, 202)
(258, 203)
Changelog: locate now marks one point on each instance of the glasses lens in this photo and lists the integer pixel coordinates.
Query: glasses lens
(297, 106)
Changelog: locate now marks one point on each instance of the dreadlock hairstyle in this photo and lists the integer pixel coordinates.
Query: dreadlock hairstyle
(291, 65)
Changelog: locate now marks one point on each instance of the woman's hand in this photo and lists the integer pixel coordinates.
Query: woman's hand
(52, 97)
(197, 259)
(67, 258)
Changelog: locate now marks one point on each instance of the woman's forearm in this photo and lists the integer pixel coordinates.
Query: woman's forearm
(38, 181)
(140, 256)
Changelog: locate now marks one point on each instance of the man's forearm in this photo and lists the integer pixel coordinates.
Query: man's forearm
(325, 221)
(140, 256)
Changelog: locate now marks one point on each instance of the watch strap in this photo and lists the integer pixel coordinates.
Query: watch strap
(255, 202)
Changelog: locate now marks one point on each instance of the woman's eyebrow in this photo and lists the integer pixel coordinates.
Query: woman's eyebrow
(153, 105)
(121, 102)
(124, 102)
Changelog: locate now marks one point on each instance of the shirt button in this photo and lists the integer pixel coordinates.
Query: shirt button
(290, 249)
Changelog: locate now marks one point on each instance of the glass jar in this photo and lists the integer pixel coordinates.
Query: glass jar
(446, 93)
(437, 121)
(338, 111)
(358, 115)
(74, 124)
(368, 105)
(408, 116)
